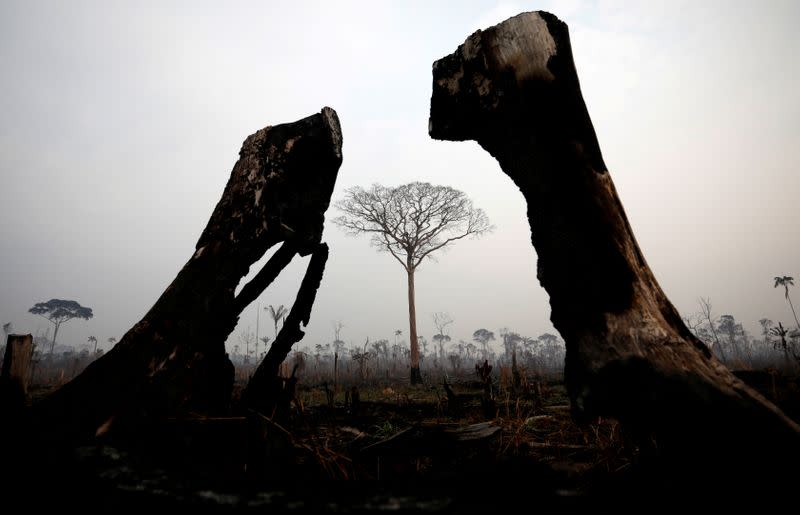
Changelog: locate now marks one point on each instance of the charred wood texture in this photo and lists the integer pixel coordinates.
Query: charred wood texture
(267, 392)
(173, 361)
(513, 88)
(16, 372)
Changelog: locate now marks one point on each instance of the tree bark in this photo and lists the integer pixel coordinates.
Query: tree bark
(416, 376)
(53, 342)
(16, 372)
(174, 361)
(514, 89)
(263, 392)
(797, 322)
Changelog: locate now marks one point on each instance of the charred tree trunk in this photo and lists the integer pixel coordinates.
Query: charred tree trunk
(514, 89)
(265, 390)
(16, 373)
(174, 361)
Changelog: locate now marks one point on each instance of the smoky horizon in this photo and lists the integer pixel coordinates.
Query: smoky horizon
(123, 123)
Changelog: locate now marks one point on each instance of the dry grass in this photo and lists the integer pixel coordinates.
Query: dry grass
(536, 427)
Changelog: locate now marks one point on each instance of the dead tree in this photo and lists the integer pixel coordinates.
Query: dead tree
(454, 401)
(264, 391)
(513, 89)
(488, 404)
(174, 361)
(16, 372)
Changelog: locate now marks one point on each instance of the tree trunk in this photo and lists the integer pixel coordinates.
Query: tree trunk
(174, 360)
(516, 377)
(416, 376)
(53, 342)
(797, 322)
(16, 372)
(514, 89)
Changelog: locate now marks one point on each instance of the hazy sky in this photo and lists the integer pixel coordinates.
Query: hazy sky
(121, 122)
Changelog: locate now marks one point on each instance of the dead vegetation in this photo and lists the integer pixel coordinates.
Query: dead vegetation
(380, 430)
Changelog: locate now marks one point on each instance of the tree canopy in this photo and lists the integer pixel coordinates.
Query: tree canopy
(59, 311)
(411, 221)
(784, 281)
(483, 336)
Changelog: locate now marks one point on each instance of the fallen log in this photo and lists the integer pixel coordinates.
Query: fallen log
(173, 362)
(513, 89)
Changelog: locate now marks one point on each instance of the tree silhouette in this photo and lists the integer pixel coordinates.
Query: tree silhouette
(766, 326)
(93, 339)
(338, 343)
(729, 327)
(277, 314)
(705, 306)
(362, 357)
(510, 342)
(265, 340)
(57, 312)
(411, 222)
(441, 320)
(483, 336)
(781, 332)
(787, 281)
(246, 337)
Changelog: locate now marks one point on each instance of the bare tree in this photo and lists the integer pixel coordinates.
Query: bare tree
(695, 323)
(411, 222)
(441, 320)
(705, 307)
(246, 337)
(338, 344)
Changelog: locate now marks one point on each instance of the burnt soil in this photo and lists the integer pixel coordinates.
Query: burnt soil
(394, 450)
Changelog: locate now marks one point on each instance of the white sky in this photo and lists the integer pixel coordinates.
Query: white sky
(121, 123)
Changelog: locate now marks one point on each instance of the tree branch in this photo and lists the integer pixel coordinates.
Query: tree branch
(259, 392)
(250, 292)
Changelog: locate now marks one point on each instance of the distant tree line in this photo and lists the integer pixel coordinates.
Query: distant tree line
(777, 345)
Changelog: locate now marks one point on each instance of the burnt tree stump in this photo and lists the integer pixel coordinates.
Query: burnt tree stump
(513, 89)
(16, 372)
(173, 361)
